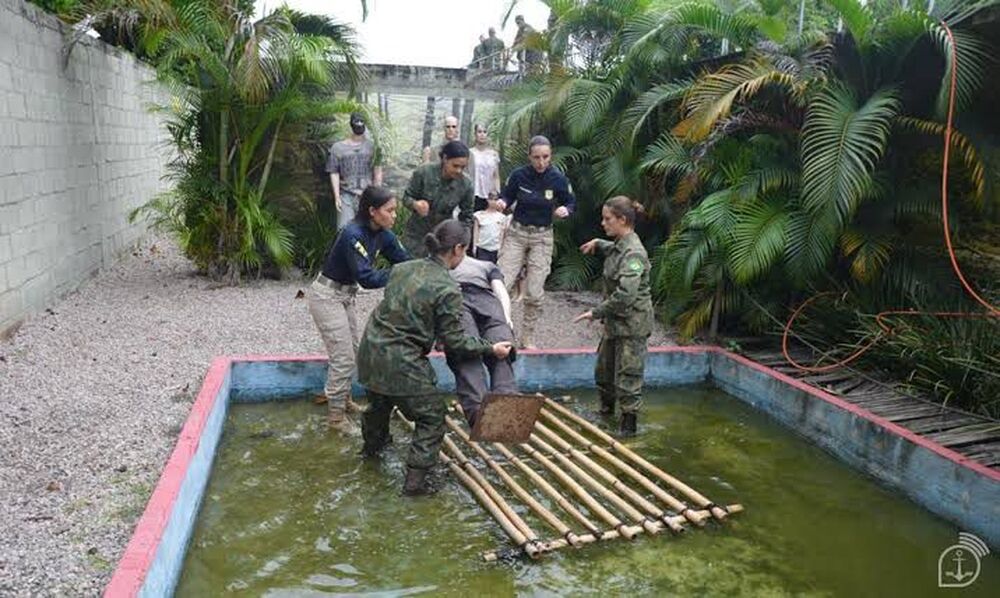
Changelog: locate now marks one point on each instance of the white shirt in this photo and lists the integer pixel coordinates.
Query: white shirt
(491, 226)
(485, 163)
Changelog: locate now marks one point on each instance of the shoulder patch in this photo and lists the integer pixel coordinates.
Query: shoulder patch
(361, 249)
(634, 264)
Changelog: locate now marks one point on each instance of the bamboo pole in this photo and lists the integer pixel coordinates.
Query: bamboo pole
(620, 503)
(627, 532)
(668, 499)
(542, 483)
(548, 489)
(610, 479)
(529, 545)
(623, 450)
(501, 503)
(561, 528)
(555, 544)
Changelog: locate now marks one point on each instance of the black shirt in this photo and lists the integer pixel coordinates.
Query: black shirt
(537, 195)
(352, 257)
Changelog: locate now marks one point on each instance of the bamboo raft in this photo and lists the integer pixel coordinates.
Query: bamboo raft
(599, 489)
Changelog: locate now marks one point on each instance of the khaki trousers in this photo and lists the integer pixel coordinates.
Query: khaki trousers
(334, 314)
(530, 248)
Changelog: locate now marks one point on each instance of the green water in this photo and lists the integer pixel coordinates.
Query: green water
(292, 511)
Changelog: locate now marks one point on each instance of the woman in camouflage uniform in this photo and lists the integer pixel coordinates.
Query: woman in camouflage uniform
(627, 311)
(421, 303)
(434, 193)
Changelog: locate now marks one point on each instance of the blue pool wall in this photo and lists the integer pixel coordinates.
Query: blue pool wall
(949, 485)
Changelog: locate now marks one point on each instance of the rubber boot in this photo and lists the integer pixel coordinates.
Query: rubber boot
(416, 482)
(607, 408)
(629, 424)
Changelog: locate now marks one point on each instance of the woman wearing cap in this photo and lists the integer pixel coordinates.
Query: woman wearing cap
(350, 264)
(421, 304)
(435, 191)
(539, 193)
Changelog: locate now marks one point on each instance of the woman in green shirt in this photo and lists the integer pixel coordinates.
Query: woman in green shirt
(627, 311)
(435, 192)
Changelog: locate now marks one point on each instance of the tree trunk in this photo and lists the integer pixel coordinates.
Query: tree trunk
(428, 122)
(713, 329)
(467, 112)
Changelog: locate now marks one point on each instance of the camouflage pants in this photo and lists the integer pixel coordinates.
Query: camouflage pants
(621, 362)
(334, 314)
(427, 412)
(530, 247)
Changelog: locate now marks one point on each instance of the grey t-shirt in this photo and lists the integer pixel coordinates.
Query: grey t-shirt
(354, 162)
(478, 273)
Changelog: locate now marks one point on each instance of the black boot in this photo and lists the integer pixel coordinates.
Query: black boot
(371, 450)
(416, 482)
(628, 424)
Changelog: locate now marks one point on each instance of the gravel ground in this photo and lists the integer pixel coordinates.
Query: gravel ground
(93, 393)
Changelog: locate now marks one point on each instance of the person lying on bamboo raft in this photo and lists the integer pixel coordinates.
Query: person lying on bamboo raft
(421, 303)
(485, 313)
(627, 312)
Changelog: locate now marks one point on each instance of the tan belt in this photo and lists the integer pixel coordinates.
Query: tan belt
(337, 286)
(530, 228)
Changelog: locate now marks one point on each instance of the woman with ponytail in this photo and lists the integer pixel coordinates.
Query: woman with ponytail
(627, 312)
(422, 303)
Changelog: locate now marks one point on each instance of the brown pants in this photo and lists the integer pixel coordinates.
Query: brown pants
(334, 314)
(533, 249)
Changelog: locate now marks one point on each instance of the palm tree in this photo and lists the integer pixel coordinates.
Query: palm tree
(238, 83)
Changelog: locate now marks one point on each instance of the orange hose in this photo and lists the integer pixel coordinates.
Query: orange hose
(992, 311)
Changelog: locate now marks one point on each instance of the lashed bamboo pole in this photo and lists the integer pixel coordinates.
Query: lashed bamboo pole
(666, 498)
(551, 545)
(627, 532)
(484, 499)
(542, 483)
(500, 501)
(634, 514)
(548, 489)
(691, 493)
(546, 515)
(609, 478)
(528, 545)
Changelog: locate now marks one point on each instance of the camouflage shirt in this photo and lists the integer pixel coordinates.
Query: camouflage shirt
(627, 309)
(421, 303)
(444, 196)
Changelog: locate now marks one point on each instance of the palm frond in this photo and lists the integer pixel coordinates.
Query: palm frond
(758, 239)
(841, 144)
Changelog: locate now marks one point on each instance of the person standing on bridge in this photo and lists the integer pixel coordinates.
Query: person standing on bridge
(352, 166)
(528, 60)
(478, 53)
(539, 193)
(627, 311)
(493, 52)
(450, 134)
(436, 191)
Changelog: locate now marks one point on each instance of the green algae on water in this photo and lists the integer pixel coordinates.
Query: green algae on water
(291, 510)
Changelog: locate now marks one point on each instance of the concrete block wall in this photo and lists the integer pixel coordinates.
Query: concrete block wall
(79, 149)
